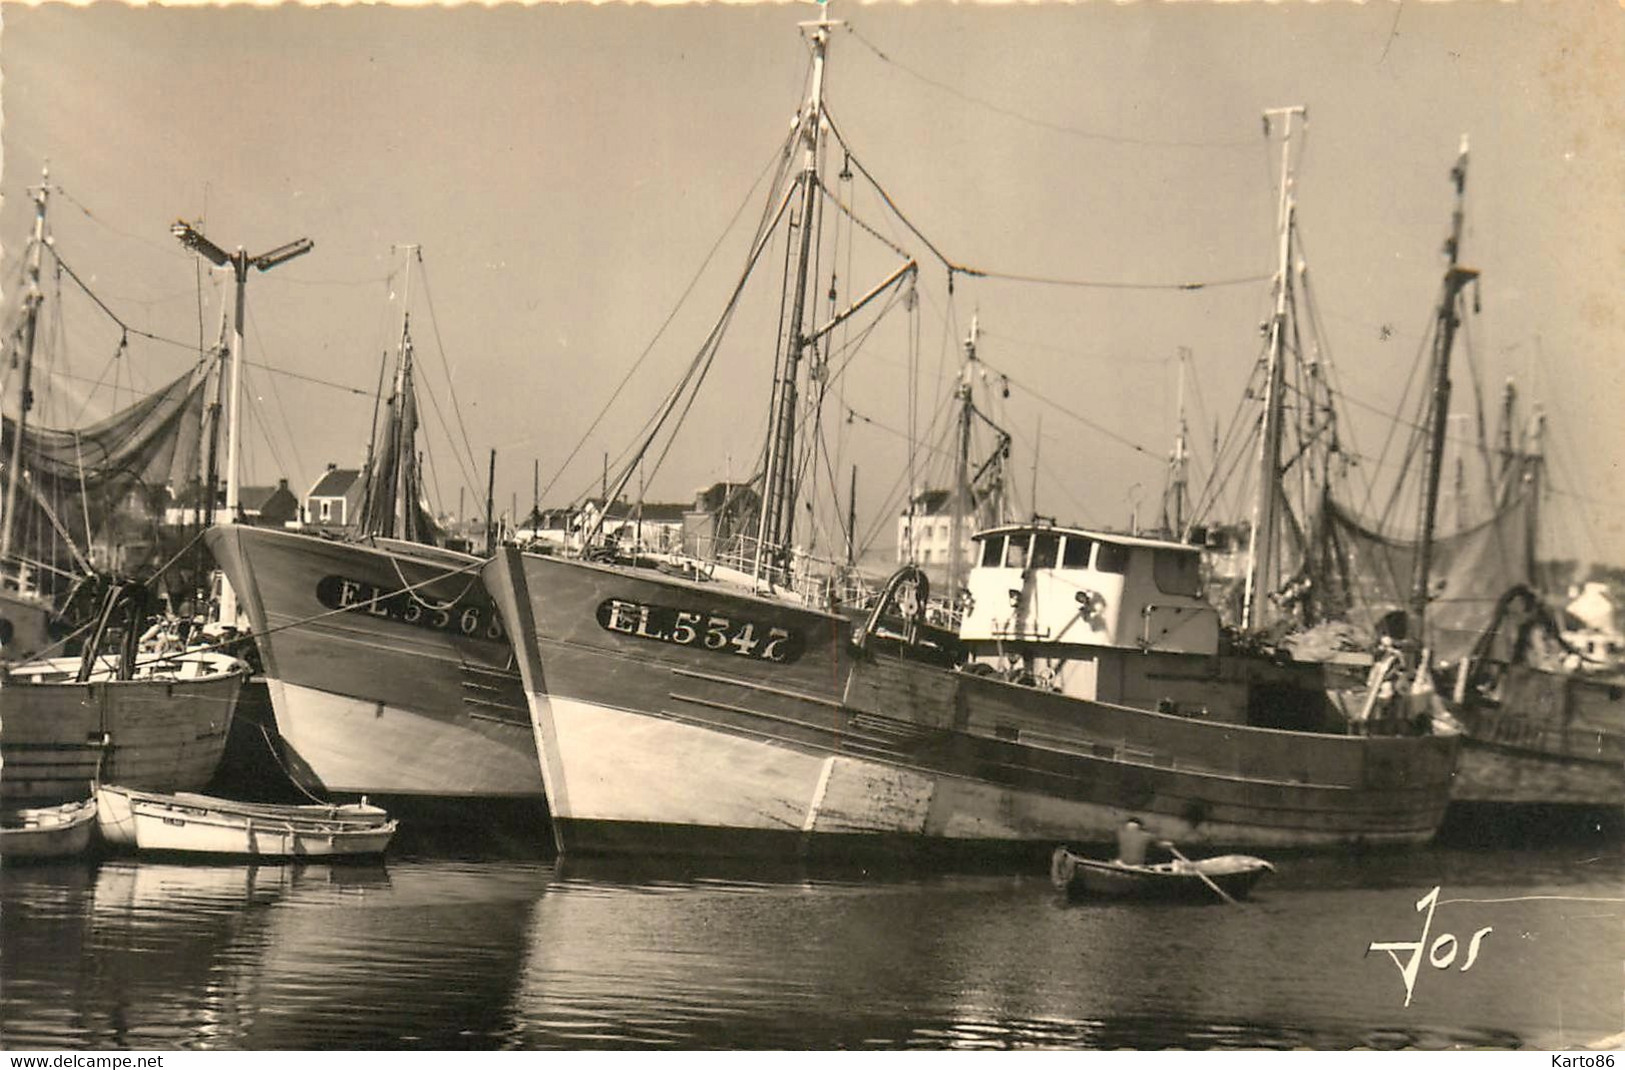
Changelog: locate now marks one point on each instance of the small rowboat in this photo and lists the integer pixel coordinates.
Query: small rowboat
(48, 831)
(115, 813)
(1199, 880)
(200, 824)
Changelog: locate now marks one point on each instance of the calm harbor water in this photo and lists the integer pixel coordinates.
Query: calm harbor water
(431, 950)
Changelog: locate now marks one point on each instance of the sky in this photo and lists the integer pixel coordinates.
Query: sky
(567, 170)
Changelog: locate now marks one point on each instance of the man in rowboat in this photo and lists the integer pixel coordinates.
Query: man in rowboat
(1132, 841)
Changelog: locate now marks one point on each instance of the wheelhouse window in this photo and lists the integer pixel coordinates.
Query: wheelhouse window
(1046, 549)
(1076, 554)
(1112, 558)
(992, 551)
(1177, 572)
(1015, 550)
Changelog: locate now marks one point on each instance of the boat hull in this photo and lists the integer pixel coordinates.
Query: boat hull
(651, 745)
(1553, 740)
(53, 832)
(1191, 882)
(160, 733)
(178, 830)
(188, 823)
(116, 811)
(374, 691)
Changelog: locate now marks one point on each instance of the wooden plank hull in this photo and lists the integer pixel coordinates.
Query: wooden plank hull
(376, 691)
(50, 832)
(656, 740)
(164, 732)
(1552, 739)
(115, 811)
(207, 826)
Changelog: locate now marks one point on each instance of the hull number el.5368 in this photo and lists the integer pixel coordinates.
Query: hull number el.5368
(469, 619)
(709, 631)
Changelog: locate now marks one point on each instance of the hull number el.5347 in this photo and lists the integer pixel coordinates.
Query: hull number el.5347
(709, 631)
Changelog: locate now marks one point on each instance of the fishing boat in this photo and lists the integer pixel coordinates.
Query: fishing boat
(203, 825)
(1453, 595)
(1203, 880)
(388, 667)
(115, 813)
(1086, 679)
(61, 831)
(72, 499)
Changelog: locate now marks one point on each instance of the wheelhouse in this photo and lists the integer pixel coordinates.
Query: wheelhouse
(1039, 584)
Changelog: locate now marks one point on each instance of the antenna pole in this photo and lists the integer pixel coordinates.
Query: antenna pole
(189, 236)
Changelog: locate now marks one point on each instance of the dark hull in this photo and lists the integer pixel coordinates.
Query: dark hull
(56, 737)
(1551, 740)
(653, 740)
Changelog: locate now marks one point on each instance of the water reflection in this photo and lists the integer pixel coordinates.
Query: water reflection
(635, 955)
(437, 952)
(431, 961)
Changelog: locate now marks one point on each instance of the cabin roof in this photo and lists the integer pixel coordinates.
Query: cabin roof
(1117, 537)
(335, 483)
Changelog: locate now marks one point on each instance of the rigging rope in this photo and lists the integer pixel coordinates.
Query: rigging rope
(780, 157)
(1092, 135)
(445, 367)
(954, 267)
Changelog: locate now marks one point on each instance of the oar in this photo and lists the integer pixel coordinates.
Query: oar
(1220, 892)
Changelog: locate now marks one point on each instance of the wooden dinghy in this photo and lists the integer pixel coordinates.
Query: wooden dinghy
(203, 825)
(115, 814)
(48, 831)
(1199, 880)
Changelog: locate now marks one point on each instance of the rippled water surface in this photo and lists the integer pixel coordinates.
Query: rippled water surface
(501, 953)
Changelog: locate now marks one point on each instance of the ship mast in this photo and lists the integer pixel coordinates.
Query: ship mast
(25, 397)
(1173, 510)
(1455, 278)
(960, 499)
(1262, 551)
(777, 523)
(400, 478)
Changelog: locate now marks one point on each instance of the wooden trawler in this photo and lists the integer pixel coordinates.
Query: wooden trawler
(387, 665)
(161, 726)
(388, 669)
(674, 715)
(154, 721)
(1537, 738)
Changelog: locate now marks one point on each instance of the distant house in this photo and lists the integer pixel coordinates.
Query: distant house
(721, 513)
(547, 525)
(924, 531)
(656, 526)
(264, 506)
(268, 506)
(334, 500)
